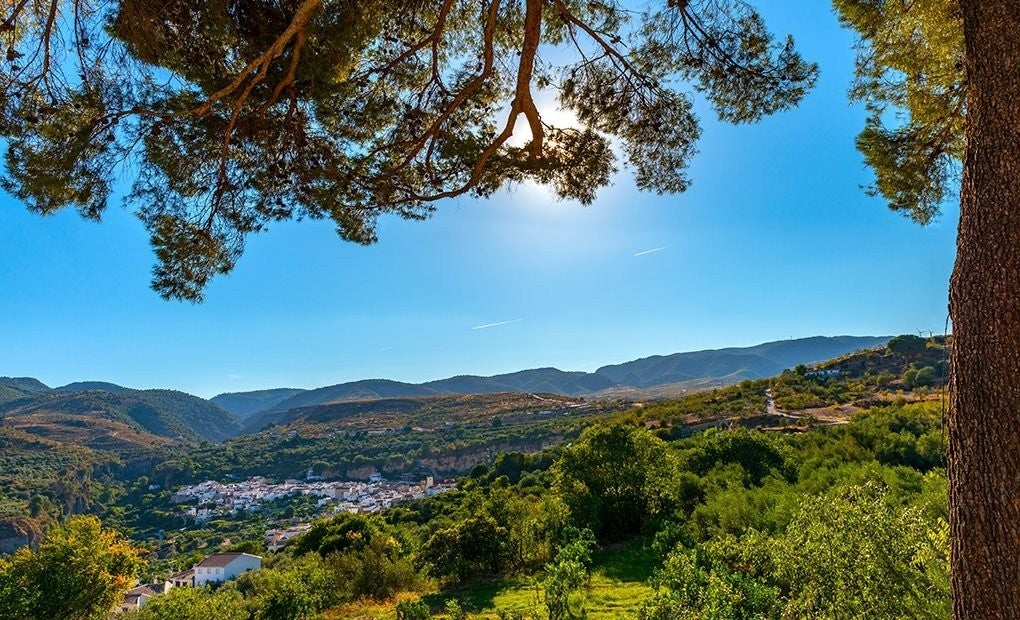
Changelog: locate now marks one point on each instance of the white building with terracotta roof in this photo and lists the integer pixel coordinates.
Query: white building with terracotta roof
(224, 567)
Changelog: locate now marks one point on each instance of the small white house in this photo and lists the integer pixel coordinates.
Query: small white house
(224, 567)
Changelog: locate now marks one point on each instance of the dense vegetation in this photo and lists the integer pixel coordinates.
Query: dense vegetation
(842, 521)
(706, 506)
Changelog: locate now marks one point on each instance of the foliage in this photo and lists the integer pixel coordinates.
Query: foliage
(194, 604)
(692, 585)
(745, 398)
(923, 376)
(473, 547)
(567, 576)
(741, 523)
(231, 115)
(345, 532)
(910, 67)
(361, 555)
(758, 453)
(454, 611)
(79, 571)
(907, 344)
(855, 553)
(378, 571)
(614, 479)
(297, 590)
(413, 610)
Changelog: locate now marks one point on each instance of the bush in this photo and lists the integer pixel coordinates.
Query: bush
(615, 479)
(907, 345)
(413, 610)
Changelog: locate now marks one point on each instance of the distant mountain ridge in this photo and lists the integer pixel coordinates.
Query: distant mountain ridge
(246, 404)
(183, 417)
(548, 380)
(712, 367)
(86, 386)
(759, 361)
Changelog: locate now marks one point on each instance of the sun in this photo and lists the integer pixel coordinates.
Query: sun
(552, 114)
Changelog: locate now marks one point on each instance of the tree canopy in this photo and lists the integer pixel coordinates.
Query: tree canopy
(910, 76)
(226, 116)
(78, 572)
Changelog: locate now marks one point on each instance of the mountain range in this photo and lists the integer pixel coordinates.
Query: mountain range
(691, 370)
(31, 406)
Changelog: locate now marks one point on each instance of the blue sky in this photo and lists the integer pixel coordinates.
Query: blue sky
(774, 240)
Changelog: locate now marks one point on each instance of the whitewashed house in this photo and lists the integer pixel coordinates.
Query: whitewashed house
(224, 567)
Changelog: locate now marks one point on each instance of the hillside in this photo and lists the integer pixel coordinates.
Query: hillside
(421, 412)
(433, 412)
(368, 389)
(545, 380)
(657, 510)
(444, 435)
(14, 388)
(56, 443)
(163, 413)
(59, 443)
(662, 375)
(245, 404)
(907, 370)
(735, 364)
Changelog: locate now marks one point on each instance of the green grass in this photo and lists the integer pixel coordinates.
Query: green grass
(618, 587)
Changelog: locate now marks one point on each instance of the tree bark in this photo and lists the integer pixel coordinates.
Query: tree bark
(984, 418)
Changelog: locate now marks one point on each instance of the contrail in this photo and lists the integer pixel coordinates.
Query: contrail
(488, 325)
(652, 251)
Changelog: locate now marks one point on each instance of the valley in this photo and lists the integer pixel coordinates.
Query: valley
(430, 470)
(64, 444)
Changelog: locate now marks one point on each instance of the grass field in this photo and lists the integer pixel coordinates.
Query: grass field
(618, 587)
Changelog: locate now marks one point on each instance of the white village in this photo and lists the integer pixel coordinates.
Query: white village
(217, 498)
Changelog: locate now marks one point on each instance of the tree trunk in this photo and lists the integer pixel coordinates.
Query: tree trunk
(984, 419)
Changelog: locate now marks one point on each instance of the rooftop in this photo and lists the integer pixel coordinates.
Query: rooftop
(219, 560)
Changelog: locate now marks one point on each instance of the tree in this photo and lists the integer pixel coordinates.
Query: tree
(953, 67)
(299, 590)
(568, 576)
(195, 604)
(413, 610)
(691, 585)
(912, 61)
(906, 344)
(854, 554)
(475, 547)
(79, 572)
(614, 479)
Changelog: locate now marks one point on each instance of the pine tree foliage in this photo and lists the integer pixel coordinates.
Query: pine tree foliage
(910, 76)
(227, 115)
